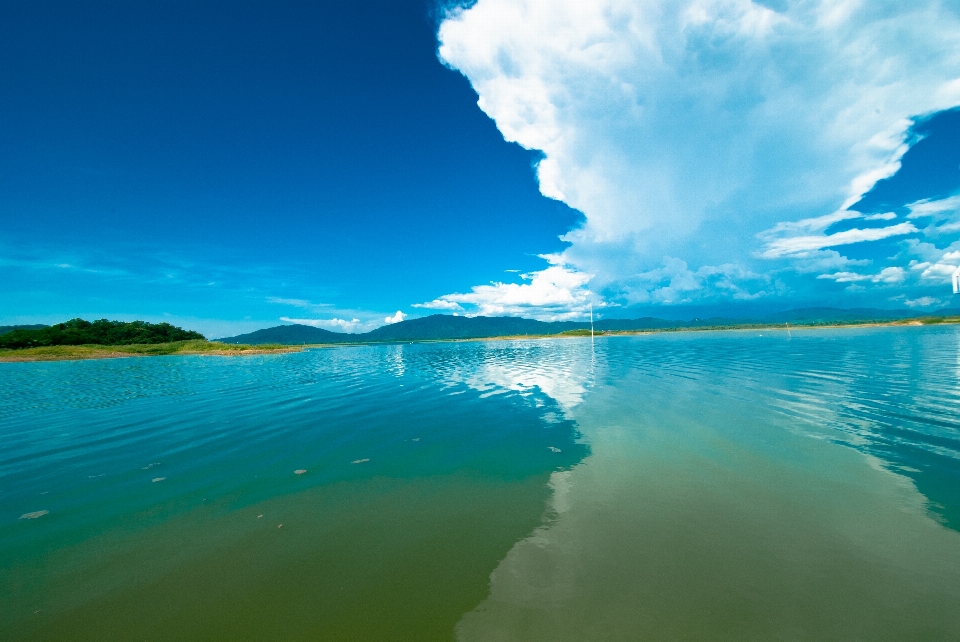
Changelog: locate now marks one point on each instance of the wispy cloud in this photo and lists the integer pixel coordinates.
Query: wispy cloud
(810, 225)
(799, 246)
(299, 303)
(889, 275)
(941, 217)
(936, 208)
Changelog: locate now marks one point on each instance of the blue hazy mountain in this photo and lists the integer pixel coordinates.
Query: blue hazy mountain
(851, 314)
(445, 326)
(290, 335)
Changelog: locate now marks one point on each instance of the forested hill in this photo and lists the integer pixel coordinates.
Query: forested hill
(290, 335)
(434, 327)
(6, 329)
(443, 326)
(106, 333)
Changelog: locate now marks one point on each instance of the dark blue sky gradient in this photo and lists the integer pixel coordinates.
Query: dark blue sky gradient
(196, 161)
(930, 169)
(323, 139)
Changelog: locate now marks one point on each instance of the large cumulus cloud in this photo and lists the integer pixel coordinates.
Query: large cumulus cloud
(684, 129)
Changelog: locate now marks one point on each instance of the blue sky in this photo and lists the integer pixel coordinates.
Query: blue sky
(231, 166)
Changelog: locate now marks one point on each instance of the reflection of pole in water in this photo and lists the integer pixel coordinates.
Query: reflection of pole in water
(591, 321)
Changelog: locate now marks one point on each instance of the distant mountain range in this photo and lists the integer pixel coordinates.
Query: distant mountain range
(445, 326)
(6, 329)
(289, 335)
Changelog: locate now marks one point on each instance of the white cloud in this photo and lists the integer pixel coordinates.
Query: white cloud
(553, 294)
(667, 121)
(674, 282)
(439, 304)
(940, 269)
(342, 325)
(924, 302)
(889, 276)
(803, 245)
(934, 266)
(341, 320)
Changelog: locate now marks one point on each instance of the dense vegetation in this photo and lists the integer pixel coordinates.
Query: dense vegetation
(106, 333)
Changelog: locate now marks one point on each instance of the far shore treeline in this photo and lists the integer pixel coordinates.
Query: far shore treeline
(103, 332)
(446, 327)
(437, 327)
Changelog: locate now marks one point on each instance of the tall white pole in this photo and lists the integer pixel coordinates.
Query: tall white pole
(956, 281)
(591, 312)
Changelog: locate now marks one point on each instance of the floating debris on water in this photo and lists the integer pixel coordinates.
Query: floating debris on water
(553, 449)
(149, 466)
(359, 461)
(280, 526)
(34, 515)
(100, 475)
(415, 439)
(299, 471)
(259, 516)
(156, 479)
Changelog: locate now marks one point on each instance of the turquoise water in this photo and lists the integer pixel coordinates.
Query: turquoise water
(736, 485)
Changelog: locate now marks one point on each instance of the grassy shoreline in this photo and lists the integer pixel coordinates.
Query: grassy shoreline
(214, 348)
(73, 353)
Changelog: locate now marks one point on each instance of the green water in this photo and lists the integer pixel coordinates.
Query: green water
(395, 547)
(710, 486)
(695, 519)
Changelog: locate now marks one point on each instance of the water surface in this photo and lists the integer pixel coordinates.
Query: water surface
(735, 485)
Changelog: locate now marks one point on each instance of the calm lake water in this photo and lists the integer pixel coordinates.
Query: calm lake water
(769, 485)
